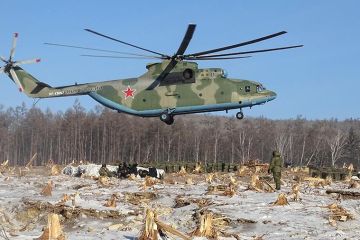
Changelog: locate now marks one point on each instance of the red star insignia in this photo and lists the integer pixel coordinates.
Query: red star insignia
(129, 92)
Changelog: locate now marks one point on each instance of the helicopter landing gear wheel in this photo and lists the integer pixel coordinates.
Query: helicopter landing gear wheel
(167, 118)
(240, 115)
(171, 120)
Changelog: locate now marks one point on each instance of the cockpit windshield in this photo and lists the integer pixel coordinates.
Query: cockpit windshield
(260, 88)
(224, 73)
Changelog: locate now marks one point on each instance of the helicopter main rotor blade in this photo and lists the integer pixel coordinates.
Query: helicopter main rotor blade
(95, 49)
(111, 56)
(125, 43)
(255, 51)
(214, 58)
(163, 74)
(3, 59)
(1, 70)
(184, 44)
(186, 40)
(12, 51)
(236, 45)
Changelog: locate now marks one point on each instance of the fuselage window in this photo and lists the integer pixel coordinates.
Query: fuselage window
(247, 88)
(224, 74)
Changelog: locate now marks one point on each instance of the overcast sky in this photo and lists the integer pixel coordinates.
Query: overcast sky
(318, 81)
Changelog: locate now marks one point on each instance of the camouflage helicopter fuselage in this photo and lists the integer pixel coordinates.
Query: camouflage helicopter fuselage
(186, 89)
(171, 87)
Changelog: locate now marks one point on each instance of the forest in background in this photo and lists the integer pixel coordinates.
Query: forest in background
(105, 136)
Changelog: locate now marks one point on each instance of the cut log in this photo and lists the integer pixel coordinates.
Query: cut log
(344, 192)
(70, 212)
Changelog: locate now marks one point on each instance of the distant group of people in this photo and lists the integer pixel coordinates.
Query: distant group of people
(124, 171)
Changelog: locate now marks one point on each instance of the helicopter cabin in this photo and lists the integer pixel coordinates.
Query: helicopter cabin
(183, 73)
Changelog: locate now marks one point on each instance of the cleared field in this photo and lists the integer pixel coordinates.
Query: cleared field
(238, 205)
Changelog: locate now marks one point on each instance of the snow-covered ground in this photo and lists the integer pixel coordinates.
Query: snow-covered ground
(23, 210)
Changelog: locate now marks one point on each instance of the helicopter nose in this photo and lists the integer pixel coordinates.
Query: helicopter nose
(271, 95)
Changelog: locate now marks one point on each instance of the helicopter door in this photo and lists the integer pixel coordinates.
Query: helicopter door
(171, 96)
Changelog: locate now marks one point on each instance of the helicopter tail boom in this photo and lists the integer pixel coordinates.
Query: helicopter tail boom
(30, 85)
(36, 89)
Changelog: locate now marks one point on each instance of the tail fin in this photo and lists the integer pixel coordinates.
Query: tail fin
(31, 86)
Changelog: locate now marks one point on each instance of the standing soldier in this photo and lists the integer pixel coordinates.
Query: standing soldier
(275, 167)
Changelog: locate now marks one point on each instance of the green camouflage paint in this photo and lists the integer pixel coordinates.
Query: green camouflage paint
(207, 87)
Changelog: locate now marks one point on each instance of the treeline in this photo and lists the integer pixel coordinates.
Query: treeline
(105, 136)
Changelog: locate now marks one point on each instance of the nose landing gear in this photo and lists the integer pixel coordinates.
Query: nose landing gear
(167, 118)
(240, 115)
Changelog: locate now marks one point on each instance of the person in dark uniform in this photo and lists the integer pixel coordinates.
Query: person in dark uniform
(123, 170)
(133, 169)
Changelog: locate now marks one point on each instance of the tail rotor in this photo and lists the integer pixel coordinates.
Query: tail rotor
(12, 50)
(10, 64)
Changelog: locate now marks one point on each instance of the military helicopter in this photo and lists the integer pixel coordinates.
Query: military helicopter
(171, 87)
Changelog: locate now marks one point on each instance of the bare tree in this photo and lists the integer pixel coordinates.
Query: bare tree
(241, 146)
(102, 135)
(337, 144)
(281, 142)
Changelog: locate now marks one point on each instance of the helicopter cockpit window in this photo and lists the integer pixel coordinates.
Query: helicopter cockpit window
(247, 88)
(224, 74)
(260, 88)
